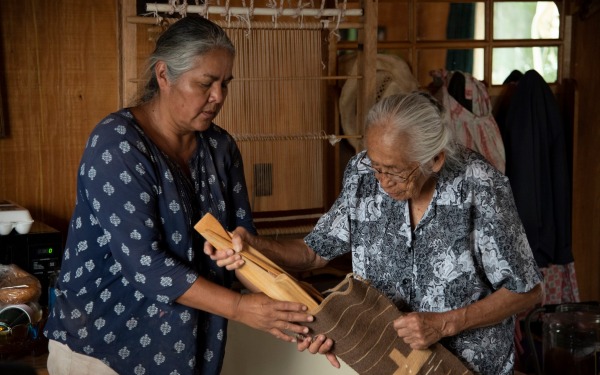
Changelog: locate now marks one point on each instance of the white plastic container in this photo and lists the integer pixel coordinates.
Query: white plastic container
(14, 216)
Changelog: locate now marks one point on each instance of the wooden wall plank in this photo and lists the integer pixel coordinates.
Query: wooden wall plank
(61, 77)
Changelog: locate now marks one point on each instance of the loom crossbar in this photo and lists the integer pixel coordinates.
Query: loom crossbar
(221, 10)
(323, 25)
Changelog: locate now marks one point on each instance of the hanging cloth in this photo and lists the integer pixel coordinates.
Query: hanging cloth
(469, 113)
(537, 165)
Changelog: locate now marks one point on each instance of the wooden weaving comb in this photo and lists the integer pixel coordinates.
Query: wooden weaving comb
(259, 270)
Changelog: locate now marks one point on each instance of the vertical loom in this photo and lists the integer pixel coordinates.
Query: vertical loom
(282, 104)
(276, 111)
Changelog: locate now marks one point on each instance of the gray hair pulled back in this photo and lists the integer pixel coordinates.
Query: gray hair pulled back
(179, 45)
(420, 117)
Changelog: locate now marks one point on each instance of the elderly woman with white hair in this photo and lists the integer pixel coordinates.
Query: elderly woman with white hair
(434, 227)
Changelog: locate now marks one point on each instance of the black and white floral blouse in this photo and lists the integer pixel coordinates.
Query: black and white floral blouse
(469, 243)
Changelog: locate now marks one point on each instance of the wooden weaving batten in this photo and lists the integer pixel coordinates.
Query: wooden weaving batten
(222, 243)
(259, 270)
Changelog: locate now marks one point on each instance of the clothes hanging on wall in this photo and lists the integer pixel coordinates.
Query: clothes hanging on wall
(469, 113)
(538, 167)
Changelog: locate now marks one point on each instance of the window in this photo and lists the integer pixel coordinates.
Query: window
(489, 39)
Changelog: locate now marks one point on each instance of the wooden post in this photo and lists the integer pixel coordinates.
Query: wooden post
(367, 61)
(127, 34)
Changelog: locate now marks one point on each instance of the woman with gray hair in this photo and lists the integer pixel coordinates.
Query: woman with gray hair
(136, 295)
(431, 225)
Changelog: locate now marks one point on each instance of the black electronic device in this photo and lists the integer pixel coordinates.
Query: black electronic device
(38, 252)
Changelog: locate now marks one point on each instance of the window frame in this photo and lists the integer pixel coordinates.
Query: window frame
(413, 45)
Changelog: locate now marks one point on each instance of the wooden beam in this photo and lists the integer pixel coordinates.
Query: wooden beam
(127, 35)
(367, 61)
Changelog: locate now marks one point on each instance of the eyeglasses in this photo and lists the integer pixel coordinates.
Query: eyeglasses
(392, 176)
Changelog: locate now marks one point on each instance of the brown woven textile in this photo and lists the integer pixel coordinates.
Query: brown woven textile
(359, 320)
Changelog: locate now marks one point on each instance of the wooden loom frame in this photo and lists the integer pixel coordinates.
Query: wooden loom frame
(298, 221)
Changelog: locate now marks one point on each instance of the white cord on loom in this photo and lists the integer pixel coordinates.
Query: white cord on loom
(227, 14)
(206, 11)
(320, 9)
(299, 13)
(244, 18)
(246, 14)
(273, 5)
(176, 7)
(339, 18)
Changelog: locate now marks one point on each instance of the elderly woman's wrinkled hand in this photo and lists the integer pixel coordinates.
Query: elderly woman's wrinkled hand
(419, 329)
(318, 344)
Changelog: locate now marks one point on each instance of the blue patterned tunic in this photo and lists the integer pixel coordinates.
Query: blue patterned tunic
(131, 251)
(469, 243)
